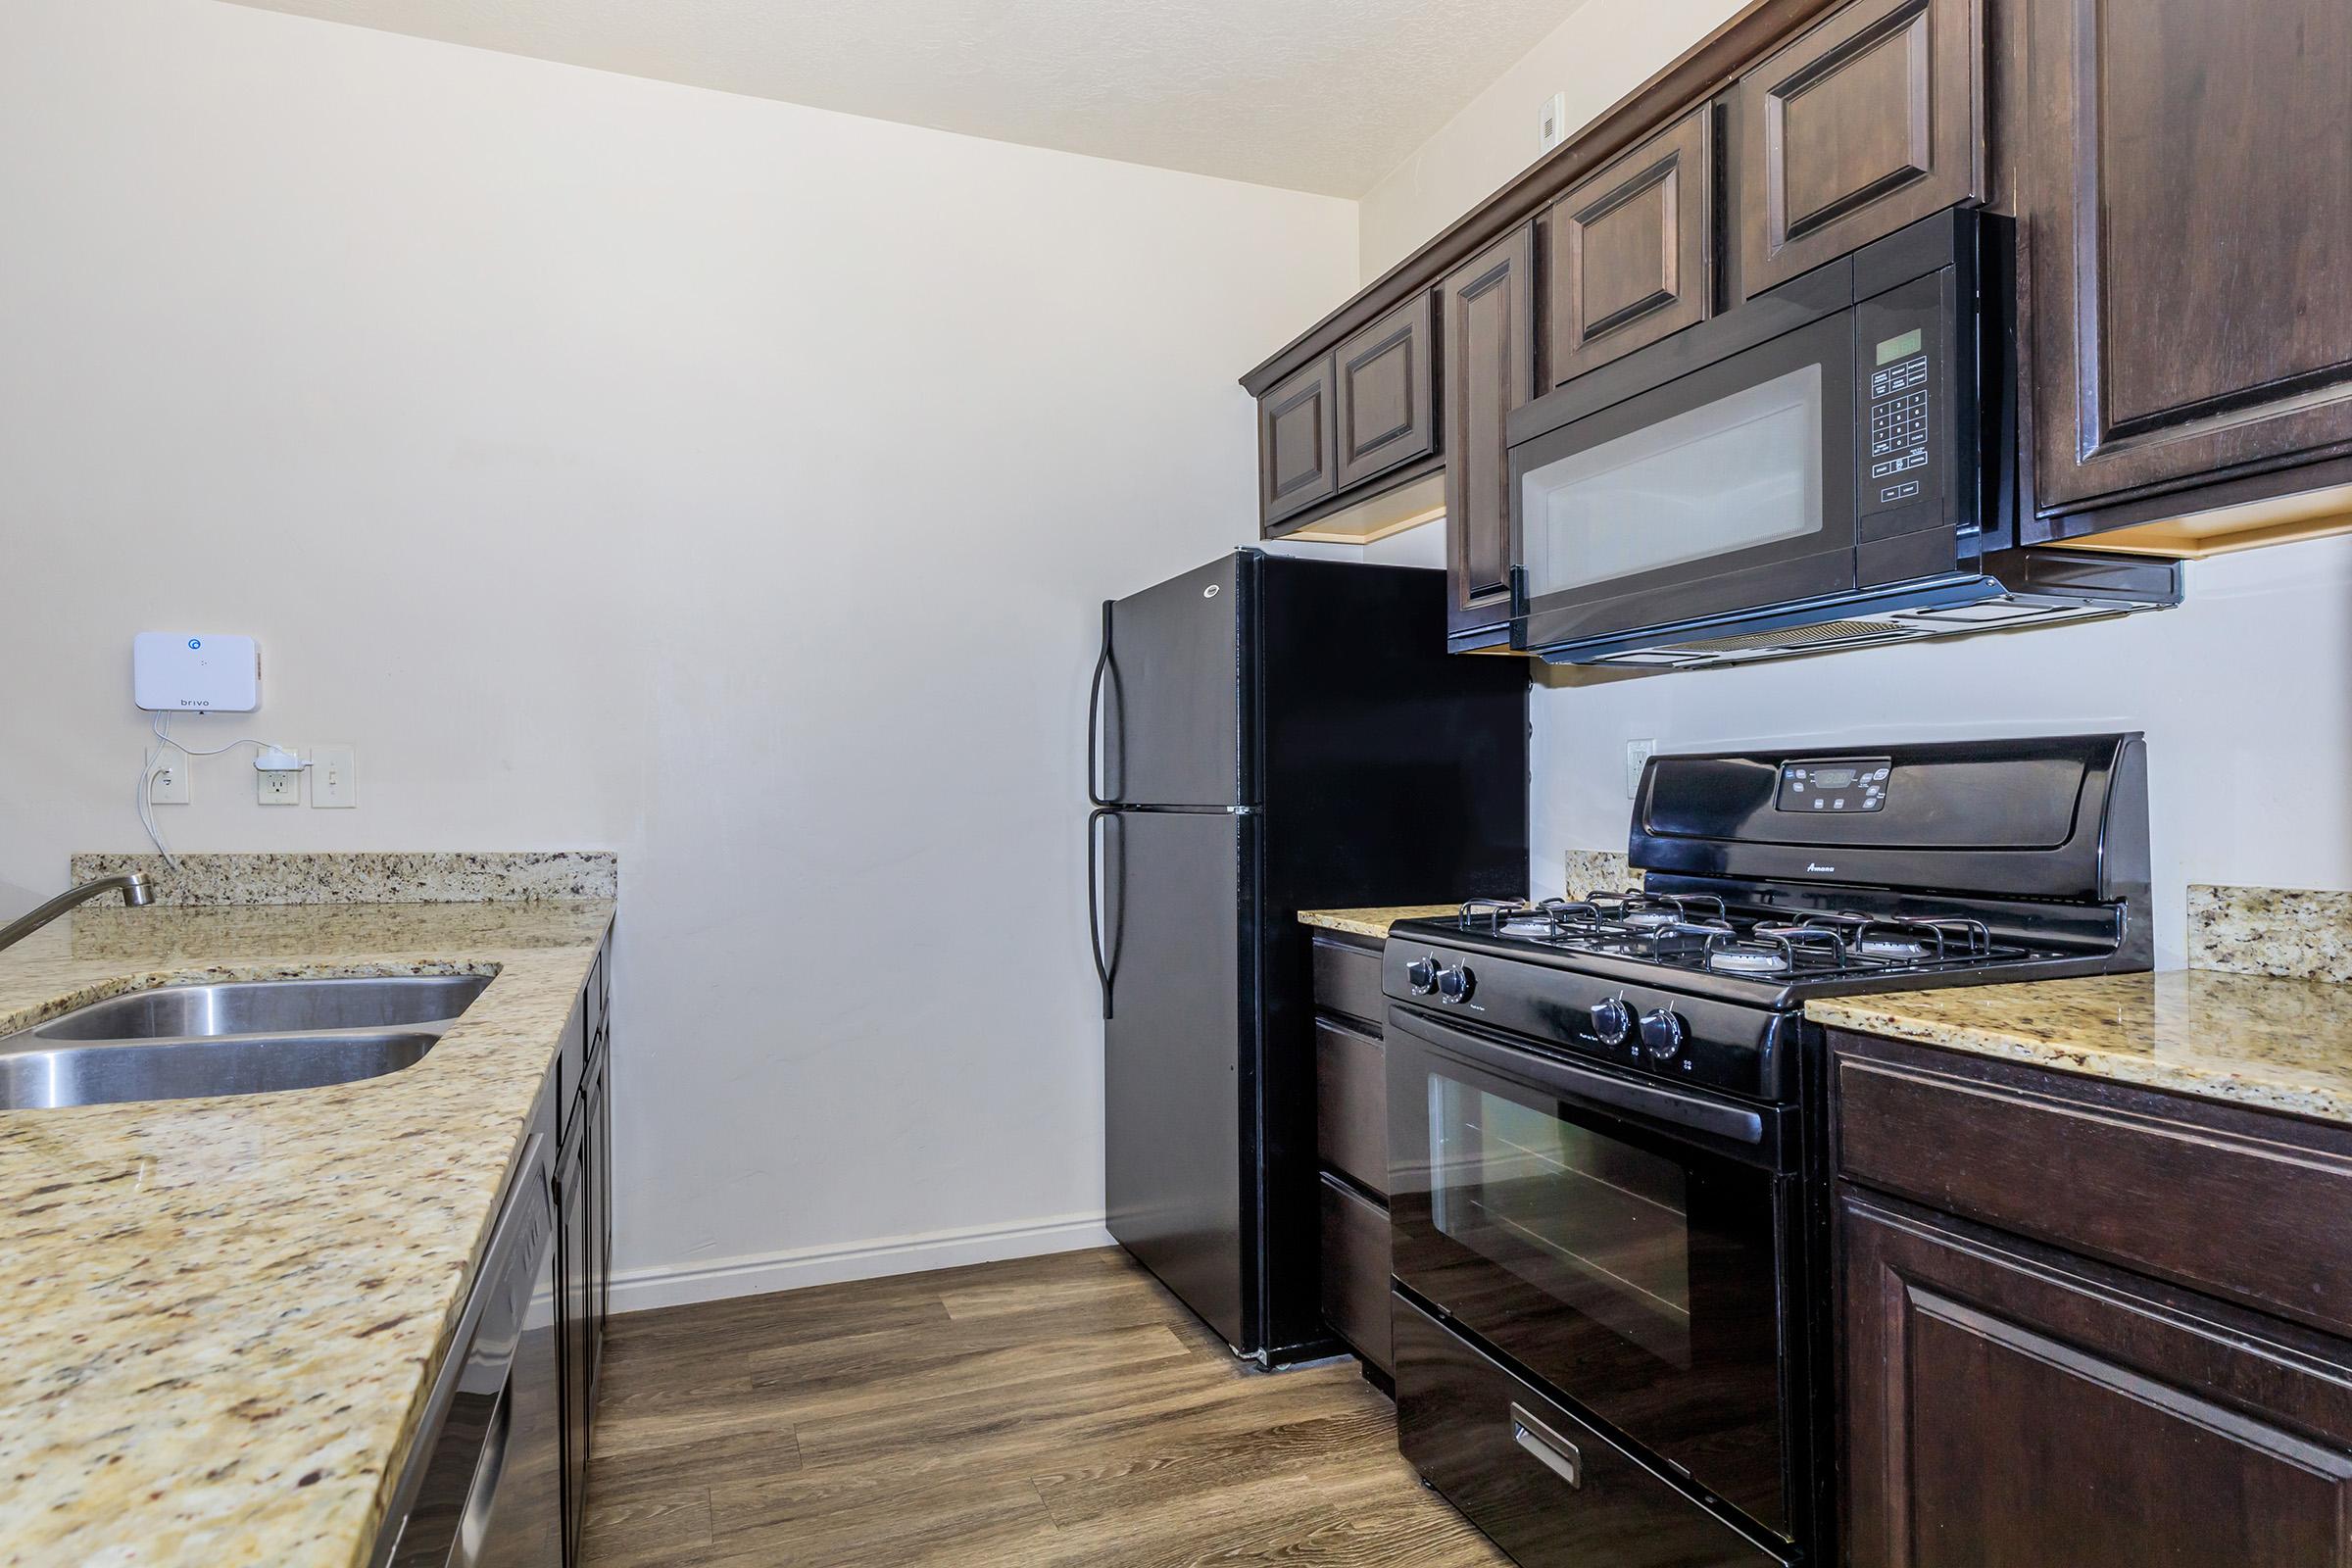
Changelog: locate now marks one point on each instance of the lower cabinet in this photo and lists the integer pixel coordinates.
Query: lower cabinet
(583, 1256)
(1351, 1144)
(2086, 1324)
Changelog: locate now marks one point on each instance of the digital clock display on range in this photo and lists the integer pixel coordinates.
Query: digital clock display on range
(1835, 778)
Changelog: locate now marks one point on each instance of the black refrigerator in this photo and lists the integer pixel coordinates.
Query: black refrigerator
(1268, 734)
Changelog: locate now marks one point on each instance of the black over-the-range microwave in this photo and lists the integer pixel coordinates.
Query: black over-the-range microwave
(1830, 464)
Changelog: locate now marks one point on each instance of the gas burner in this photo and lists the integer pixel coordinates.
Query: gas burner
(1745, 958)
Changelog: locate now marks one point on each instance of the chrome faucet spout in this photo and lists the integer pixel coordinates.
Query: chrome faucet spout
(136, 887)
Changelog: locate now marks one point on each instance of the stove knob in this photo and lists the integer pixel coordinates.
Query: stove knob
(1612, 1020)
(1662, 1034)
(1454, 983)
(1422, 975)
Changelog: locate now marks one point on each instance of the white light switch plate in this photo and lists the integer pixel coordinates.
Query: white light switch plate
(1637, 753)
(1551, 123)
(334, 776)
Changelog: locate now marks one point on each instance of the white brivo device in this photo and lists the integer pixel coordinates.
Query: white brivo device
(192, 672)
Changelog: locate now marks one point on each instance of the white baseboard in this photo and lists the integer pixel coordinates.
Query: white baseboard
(677, 1283)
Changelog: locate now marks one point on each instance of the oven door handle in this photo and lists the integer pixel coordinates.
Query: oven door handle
(1666, 1107)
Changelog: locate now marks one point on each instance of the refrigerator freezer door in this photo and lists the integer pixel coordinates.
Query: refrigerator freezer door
(1180, 893)
(1176, 695)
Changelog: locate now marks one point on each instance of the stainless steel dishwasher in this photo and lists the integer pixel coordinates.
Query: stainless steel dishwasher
(483, 1487)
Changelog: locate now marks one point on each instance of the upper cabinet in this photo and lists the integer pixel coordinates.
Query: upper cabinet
(1296, 428)
(1385, 379)
(1868, 122)
(2186, 179)
(1488, 309)
(1634, 248)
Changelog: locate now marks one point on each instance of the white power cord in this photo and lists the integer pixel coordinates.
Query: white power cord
(151, 763)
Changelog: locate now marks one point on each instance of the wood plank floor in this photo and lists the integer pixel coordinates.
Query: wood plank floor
(1049, 1412)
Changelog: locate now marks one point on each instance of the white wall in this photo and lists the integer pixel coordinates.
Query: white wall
(1602, 51)
(2246, 693)
(619, 465)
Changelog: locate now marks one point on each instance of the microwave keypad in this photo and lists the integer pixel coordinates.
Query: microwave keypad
(1898, 427)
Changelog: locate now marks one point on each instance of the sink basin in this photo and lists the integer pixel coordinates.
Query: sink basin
(269, 1007)
(235, 1037)
(184, 1069)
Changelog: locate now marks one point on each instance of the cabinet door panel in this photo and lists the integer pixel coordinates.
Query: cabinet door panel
(1295, 427)
(1487, 311)
(1634, 249)
(1871, 120)
(2006, 1411)
(1383, 383)
(2189, 198)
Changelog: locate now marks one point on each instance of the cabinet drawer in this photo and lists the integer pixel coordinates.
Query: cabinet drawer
(2212, 1197)
(1348, 979)
(1634, 249)
(1351, 1104)
(1872, 119)
(571, 1069)
(1356, 1271)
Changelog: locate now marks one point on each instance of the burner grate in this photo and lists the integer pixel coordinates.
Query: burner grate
(1702, 932)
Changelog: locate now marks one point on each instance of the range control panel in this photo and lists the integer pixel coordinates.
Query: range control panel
(1834, 784)
(1898, 417)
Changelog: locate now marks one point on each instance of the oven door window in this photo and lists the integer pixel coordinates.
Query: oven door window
(1638, 1273)
(1725, 489)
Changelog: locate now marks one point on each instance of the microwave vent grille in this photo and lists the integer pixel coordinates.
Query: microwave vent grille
(1828, 631)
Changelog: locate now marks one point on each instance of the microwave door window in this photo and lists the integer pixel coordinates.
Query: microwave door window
(1742, 472)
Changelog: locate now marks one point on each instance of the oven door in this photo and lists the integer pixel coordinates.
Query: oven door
(1629, 1244)
(1727, 489)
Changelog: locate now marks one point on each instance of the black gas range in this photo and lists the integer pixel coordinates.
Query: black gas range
(1608, 1117)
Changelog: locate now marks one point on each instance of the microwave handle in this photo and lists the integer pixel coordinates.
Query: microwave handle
(1655, 1104)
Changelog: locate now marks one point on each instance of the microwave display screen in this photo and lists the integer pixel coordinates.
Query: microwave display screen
(1901, 348)
(1834, 778)
(1738, 473)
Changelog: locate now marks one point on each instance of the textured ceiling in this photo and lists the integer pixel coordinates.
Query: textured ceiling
(1319, 95)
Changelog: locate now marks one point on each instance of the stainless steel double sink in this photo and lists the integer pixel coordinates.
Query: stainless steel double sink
(236, 1037)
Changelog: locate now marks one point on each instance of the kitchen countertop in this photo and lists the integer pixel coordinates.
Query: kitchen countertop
(2256, 1040)
(1373, 923)
(219, 1318)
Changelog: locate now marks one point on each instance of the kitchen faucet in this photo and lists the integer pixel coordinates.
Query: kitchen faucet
(135, 887)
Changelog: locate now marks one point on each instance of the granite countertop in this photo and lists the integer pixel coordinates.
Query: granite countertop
(221, 1317)
(2256, 1040)
(1373, 923)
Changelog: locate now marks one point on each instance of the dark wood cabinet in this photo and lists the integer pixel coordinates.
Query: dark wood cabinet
(1632, 249)
(2010, 1407)
(2187, 180)
(1296, 428)
(1487, 310)
(1383, 383)
(2085, 1323)
(1868, 121)
(584, 1239)
(1352, 1141)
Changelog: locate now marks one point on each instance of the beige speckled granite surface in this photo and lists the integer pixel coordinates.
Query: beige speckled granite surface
(1373, 923)
(2281, 1044)
(219, 1317)
(2278, 931)
(342, 876)
(1592, 871)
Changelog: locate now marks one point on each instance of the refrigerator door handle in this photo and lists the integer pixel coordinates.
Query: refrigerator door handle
(1104, 966)
(1104, 664)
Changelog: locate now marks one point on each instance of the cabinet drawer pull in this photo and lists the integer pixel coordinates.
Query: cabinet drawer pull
(1551, 1450)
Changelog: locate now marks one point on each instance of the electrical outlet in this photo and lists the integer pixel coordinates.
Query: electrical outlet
(168, 785)
(1551, 123)
(1636, 754)
(279, 786)
(334, 776)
